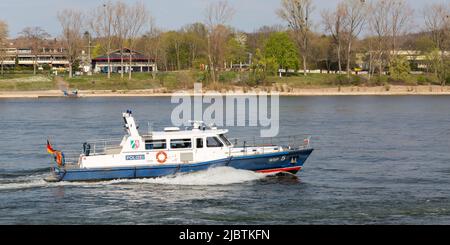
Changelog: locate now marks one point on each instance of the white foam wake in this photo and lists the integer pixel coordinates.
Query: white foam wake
(210, 177)
(23, 185)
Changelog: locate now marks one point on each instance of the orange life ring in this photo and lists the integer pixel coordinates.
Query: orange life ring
(161, 161)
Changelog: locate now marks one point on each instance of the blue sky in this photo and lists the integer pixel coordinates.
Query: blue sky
(169, 14)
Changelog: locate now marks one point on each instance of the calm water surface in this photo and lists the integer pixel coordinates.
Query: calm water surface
(378, 160)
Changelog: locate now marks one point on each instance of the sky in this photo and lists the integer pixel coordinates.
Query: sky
(169, 14)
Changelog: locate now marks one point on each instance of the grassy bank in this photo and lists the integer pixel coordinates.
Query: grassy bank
(172, 81)
(101, 82)
(26, 82)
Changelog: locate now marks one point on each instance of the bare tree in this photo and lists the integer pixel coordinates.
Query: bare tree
(36, 36)
(354, 23)
(137, 18)
(401, 20)
(298, 14)
(121, 30)
(380, 26)
(437, 23)
(3, 42)
(334, 24)
(72, 36)
(100, 22)
(217, 15)
(152, 43)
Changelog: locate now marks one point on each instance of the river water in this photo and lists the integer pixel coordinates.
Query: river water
(377, 160)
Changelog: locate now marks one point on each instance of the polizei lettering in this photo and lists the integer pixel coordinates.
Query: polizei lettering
(199, 235)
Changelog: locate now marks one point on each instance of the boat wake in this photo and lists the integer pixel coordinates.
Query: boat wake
(211, 177)
(23, 182)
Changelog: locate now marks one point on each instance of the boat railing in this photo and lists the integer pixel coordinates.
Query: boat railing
(255, 145)
(72, 157)
(102, 147)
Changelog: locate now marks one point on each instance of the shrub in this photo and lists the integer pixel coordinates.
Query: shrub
(399, 68)
(344, 80)
(421, 80)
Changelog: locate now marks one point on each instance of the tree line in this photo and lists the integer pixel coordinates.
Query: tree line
(374, 31)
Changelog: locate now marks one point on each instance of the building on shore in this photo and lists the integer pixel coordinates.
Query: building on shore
(50, 54)
(419, 61)
(139, 62)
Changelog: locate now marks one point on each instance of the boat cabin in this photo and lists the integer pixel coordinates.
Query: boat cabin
(172, 146)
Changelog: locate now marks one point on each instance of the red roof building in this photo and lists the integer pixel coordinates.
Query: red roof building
(139, 62)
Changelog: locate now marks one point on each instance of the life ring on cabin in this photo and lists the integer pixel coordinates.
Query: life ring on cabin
(164, 157)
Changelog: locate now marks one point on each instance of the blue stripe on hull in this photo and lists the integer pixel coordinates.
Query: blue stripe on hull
(271, 161)
(252, 163)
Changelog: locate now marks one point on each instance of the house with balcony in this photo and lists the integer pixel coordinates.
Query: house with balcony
(21, 54)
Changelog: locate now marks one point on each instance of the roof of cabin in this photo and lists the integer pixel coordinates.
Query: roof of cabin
(187, 133)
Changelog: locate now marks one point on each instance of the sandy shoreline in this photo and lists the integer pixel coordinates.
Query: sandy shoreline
(345, 91)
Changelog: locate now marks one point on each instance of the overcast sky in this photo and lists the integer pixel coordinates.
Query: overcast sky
(169, 14)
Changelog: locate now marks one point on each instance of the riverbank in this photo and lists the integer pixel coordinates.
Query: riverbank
(334, 91)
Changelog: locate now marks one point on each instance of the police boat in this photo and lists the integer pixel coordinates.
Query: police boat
(175, 151)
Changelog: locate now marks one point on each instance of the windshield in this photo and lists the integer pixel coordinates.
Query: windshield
(224, 139)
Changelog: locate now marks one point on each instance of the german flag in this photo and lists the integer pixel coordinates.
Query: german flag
(50, 149)
(59, 156)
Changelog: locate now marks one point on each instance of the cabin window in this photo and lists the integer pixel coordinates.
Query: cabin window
(212, 142)
(199, 143)
(155, 144)
(224, 139)
(181, 143)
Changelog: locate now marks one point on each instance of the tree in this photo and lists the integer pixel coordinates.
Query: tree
(298, 14)
(175, 49)
(196, 39)
(72, 36)
(354, 23)
(437, 23)
(100, 23)
(36, 36)
(334, 24)
(152, 43)
(217, 14)
(257, 39)
(263, 64)
(400, 17)
(380, 26)
(236, 49)
(282, 50)
(322, 52)
(121, 30)
(137, 18)
(399, 67)
(3, 43)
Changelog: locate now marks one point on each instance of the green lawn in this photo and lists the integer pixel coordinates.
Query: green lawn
(169, 80)
(26, 82)
(26, 86)
(101, 82)
(309, 81)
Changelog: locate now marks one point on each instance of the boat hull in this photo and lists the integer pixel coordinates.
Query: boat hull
(291, 161)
